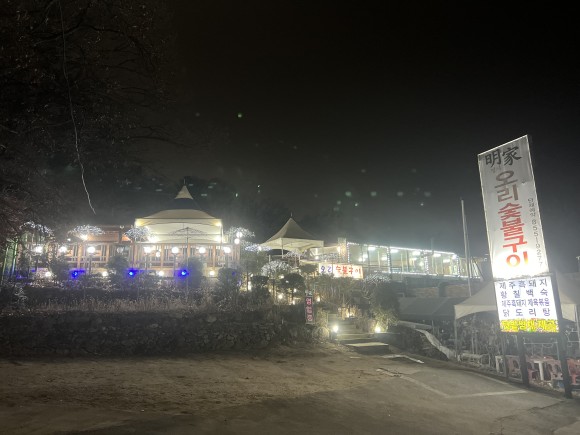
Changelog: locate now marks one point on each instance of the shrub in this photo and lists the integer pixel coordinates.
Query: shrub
(260, 293)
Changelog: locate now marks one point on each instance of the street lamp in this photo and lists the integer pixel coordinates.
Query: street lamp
(147, 250)
(227, 251)
(37, 253)
(91, 251)
(174, 251)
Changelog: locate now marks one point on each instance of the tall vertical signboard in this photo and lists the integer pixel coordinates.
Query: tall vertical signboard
(309, 308)
(523, 286)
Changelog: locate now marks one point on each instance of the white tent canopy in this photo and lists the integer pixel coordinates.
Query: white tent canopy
(183, 222)
(292, 238)
(484, 300)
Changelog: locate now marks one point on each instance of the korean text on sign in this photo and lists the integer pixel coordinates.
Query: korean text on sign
(526, 305)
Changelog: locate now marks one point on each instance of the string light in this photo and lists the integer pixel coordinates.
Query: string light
(84, 231)
(138, 234)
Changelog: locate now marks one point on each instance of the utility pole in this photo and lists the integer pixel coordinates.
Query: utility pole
(466, 242)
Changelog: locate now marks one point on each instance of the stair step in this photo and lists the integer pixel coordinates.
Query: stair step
(349, 331)
(359, 336)
(373, 347)
(356, 340)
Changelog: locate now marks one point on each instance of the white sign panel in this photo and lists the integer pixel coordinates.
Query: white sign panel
(341, 270)
(526, 305)
(514, 229)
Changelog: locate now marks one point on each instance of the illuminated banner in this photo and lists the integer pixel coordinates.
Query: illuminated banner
(526, 305)
(341, 270)
(309, 308)
(514, 229)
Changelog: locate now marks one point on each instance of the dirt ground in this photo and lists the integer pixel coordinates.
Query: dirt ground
(186, 385)
(324, 389)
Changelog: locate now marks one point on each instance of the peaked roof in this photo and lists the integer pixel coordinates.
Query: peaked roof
(292, 237)
(291, 230)
(184, 200)
(183, 206)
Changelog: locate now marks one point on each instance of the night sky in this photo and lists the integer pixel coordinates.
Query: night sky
(379, 111)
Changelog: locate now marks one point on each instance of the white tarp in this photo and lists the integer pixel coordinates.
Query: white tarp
(185, 226)
(183, 223)
(291, 237)
(484, 300)
(514, 229)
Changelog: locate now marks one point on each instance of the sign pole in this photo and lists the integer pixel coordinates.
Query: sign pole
(562, 342)
(503, 342)
(523, 362)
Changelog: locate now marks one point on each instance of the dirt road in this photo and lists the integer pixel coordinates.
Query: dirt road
(324, 389)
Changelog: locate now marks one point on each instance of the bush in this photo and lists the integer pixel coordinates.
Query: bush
(59, 268)
(385, 304)
(260, 293)
(227, 288)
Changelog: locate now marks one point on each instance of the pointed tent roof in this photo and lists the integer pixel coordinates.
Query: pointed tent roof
(182, 206)
(184, 200)
(292, 237)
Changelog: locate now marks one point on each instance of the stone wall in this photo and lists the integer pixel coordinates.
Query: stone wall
(146, 333)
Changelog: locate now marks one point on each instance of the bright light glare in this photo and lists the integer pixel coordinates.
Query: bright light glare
(62, 249)
(394, 251)
(280, 296)
(174, 250)
(91, 250)
(104, 274)
(201, 250)
(161, 273)
(371, 248)
(436, 255)
(38, 249)
(211, 273)
(227, 249)
(378, 329)
(416, 253)
(237, 241)
(335, 328)
(147, 249)
(47, 274)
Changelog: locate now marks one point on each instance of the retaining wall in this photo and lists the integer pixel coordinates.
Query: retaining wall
(146, 333)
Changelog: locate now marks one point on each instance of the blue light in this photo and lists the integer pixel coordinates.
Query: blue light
(183, 272)
(132, 273)
(74, 274)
